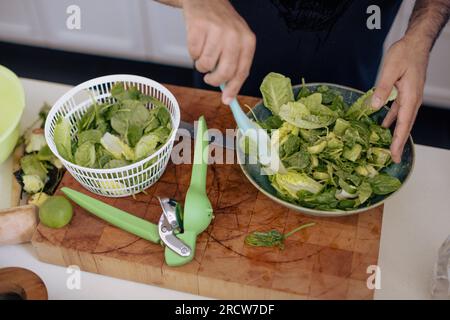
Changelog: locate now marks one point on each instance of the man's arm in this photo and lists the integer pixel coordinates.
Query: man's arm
(405, 66)
(427, 20)
(219, 41)
(172, 3)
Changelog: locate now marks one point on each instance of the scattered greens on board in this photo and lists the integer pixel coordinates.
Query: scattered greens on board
(334, 153)
(40, 171)
(272, 238)
(115, 133)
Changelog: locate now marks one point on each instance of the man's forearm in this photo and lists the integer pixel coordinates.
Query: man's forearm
(172, 3)
(427, 20)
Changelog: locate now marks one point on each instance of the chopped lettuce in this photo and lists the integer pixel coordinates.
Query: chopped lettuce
(292, 182)
(38, 198)
(40, 170)
(116, 147)
(127, 127)
(307, 114)
(32, 183)
(146, 145)
(334, 155)
(31, 165)
(36, 141)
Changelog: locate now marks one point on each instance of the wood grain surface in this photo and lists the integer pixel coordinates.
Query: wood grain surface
(22, 282)
(326, 261)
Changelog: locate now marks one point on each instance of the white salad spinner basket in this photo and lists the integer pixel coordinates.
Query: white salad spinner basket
(123, 181)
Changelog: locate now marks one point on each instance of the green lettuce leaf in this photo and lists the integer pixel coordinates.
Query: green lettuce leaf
(383, 184)
(85, 155)
(91, 135)
(32, 183)
(298, 161)
(62, 138)
(292, 182)
(117, 147)
(311, 116)
(276, 90)
(363, 106)
(146, 146)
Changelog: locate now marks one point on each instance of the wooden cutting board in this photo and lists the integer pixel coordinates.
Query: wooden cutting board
(328, 260)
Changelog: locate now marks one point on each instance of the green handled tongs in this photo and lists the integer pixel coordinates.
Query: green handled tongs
(180, 248)
(119, 218)
(198, 211)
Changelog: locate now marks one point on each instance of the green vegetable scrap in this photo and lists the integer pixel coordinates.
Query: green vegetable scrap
(127, 128)
(272, 238)
(40, 171)
(334, 154)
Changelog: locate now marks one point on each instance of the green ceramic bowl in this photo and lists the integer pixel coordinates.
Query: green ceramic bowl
(253, 171)
(12, 103)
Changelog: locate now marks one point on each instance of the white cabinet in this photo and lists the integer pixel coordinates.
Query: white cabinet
(108, 27)
(19, 22)
(166, 35)
(437, 86)
(135, 29)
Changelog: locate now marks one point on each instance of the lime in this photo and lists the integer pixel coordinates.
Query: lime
(55, 212)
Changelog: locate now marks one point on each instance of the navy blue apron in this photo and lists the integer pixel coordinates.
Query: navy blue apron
(321, 41)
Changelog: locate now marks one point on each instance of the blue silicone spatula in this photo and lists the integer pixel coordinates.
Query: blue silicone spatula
(259, 136)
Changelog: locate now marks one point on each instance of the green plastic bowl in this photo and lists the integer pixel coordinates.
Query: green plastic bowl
(402, 170)
(12, 103)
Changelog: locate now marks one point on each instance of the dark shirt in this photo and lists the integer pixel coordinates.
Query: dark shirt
(321, 41)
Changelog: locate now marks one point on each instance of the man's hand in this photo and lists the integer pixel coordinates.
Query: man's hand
(405, 66)
(220, 42)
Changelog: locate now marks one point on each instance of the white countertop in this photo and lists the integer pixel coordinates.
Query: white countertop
(415, 223)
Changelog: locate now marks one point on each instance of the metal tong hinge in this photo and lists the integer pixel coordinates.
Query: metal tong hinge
(168, 225)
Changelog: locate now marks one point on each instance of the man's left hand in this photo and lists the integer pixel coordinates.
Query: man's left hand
(405, 66)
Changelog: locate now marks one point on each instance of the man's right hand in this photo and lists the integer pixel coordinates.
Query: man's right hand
(220, 42)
